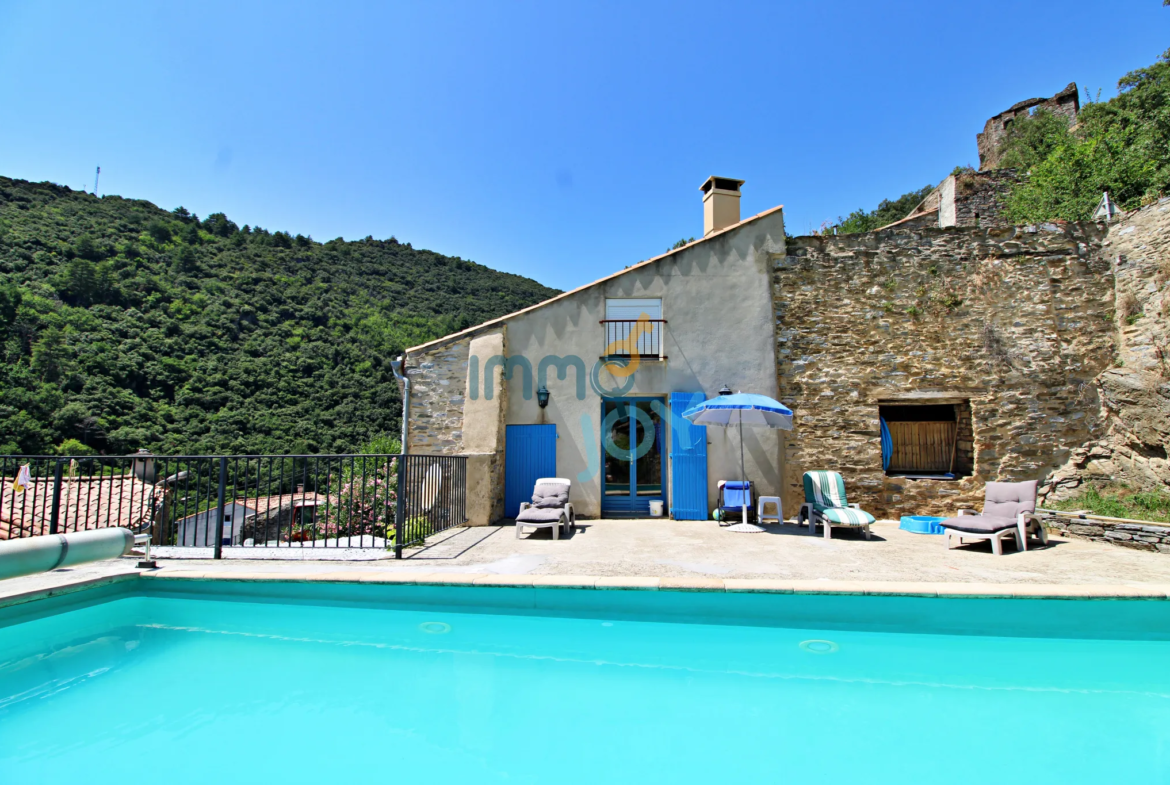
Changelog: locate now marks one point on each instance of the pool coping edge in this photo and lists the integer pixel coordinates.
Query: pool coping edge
(726, 585)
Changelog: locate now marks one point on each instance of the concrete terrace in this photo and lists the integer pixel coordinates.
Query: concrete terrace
(686, 555)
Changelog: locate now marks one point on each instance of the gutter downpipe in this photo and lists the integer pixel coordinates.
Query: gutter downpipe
(399, 368)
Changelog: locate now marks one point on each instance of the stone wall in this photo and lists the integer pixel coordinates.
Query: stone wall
(981, 198)
(1014, 321)
(443, 421)
(1135, 392)
(438, 386)
(1142, 536)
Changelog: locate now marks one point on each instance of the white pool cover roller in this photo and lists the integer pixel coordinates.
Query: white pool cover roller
(31, 555)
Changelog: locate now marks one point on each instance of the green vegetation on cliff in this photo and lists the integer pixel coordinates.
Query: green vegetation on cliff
(887, 212)
(125, 326)
(1118, 501)
(1121, 146)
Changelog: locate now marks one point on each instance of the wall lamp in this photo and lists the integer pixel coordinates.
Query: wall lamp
(542, 396)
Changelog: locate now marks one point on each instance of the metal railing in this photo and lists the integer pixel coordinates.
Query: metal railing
(633, 337)
(258, 501)
(433, 497)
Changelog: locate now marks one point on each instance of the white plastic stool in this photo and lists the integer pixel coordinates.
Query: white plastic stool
(778, 517)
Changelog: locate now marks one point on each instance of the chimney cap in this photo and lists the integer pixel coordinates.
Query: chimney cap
(721, 184)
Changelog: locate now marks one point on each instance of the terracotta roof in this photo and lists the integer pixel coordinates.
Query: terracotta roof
(86, 503)
(563, 295)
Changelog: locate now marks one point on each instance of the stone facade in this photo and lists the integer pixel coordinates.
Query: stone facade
(1135, 391)
(1013, 322)
(981, 198)
(440, 424)
(1139, 535)
(1066, 103)
(967, 199)
(438, 387)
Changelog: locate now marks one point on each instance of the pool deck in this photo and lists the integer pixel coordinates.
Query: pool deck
(681, 556)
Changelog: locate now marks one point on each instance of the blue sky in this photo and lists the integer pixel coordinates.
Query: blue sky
(556, 140)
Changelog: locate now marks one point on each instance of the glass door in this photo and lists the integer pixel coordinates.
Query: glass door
(632, 445)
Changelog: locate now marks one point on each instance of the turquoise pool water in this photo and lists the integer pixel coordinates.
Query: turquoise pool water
(183, 686)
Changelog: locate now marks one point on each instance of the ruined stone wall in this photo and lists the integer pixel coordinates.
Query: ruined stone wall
(1066, 104)
(981, 198)
(1014, 321)
(438, 384)
(1135, 391)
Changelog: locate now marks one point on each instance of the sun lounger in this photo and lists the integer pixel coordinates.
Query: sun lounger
(1009, 510)
(550, 508)
(825, 505)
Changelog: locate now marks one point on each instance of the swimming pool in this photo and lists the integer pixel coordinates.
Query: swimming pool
(186, 681)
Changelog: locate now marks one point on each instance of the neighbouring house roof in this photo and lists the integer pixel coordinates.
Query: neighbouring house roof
(86, 503)
(279, 501)
(571, 292)
(913, 216)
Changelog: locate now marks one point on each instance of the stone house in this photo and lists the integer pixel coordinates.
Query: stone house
(591, 384)
(977, 348)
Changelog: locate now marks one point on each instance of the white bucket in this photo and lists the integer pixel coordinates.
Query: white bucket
(655, 509)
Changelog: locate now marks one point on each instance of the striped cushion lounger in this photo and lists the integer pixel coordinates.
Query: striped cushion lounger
(825, 505)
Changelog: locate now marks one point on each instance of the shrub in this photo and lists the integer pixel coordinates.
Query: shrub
(1117, 501)
(1127, 306)
(887, 212)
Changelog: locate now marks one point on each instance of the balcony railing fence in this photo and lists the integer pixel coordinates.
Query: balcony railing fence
(246, 501)
(633, 338)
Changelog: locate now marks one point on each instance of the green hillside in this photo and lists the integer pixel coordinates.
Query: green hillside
(126, 326)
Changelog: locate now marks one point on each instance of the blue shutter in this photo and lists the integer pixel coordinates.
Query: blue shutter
(688, 460)
(887, 445)
(530, 452)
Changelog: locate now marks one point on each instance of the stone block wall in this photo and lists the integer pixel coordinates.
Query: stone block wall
(1013, 321)
(438, 386)
(1135, 391)
(1142, 536)
(981, 198)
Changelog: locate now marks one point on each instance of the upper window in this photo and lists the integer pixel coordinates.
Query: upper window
(633, 327)
(633, 308)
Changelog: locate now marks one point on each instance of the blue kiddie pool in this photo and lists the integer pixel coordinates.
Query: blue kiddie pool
(922, 524)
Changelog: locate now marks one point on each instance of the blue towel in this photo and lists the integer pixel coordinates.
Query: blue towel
(736, 495)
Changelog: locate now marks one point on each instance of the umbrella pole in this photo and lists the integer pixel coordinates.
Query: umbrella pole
(742, 471)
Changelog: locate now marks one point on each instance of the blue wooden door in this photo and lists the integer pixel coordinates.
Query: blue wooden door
(688, 460)
(530, 452)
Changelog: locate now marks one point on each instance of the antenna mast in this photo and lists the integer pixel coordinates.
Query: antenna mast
(95, 180)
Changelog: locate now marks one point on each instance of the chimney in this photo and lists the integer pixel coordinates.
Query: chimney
(720, 203)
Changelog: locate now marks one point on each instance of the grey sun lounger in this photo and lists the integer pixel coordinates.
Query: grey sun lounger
(1009, 510)
(550, 508)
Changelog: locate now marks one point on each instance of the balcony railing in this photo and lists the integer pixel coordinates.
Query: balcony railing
(633, 338)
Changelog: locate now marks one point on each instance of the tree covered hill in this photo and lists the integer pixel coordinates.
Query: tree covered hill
(126, 326)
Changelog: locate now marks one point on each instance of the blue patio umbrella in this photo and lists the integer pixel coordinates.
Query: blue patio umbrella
(726, 409)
